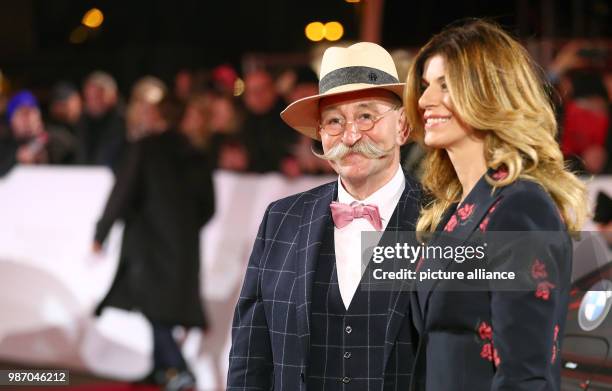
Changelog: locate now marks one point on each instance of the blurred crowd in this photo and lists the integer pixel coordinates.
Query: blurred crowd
(235, 121)
(583, 79)
(235, 118)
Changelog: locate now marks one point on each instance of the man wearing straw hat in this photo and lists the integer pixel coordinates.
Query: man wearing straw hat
(304, 319)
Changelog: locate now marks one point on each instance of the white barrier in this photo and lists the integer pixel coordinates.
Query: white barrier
(50, 281)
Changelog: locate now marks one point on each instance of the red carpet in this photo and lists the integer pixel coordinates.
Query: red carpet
(93, 387)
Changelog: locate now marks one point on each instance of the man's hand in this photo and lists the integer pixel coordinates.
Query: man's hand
(233, 158)
(96, 247)
(25, 155)
(568, 57)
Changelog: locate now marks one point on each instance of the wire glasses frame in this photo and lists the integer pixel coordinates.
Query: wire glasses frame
(362, 124)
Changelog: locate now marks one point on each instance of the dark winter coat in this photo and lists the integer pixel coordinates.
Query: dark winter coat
(164, 194)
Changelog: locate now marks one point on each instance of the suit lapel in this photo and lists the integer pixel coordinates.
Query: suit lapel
(461, 224)
(417, 312)
(403, 219)
(316, 216)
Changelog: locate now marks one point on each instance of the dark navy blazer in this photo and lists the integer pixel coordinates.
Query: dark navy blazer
(271, 328)
(492, 339)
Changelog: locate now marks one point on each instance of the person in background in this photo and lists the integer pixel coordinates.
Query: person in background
(101, 130)
(603, 216)
(164, 195)
(584, 110)
(183, 85)
(223, 79)
(268, 140)
(306, 83)
(214, 118)
(196, 120)
(65, 106)
(411, 153)
(586, 123)
(227, 120)
(227, 114)
(28, 142)
(143, 116)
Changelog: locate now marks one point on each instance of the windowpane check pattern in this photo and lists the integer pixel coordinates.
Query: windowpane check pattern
(271, 332)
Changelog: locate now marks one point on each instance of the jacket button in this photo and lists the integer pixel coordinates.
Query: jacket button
(346, 380)
(348, 329)
(347, 355)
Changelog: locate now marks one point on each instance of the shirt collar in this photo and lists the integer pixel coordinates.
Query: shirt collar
(385, 198)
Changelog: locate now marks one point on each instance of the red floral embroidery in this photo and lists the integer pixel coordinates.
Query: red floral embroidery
(452, 223)
(500, 174)
(483, 224)
(496, 359)
(555, 348)
(487, 352)
(542, 293)
(539, 273)
(538, 270)
(485, 331)
(543, 290)
(466, 211)
(494, 206)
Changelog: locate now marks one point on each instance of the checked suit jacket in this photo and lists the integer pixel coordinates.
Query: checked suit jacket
(271, 328)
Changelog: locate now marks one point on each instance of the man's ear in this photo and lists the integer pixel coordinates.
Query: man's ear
(403, 130)
(316, 147)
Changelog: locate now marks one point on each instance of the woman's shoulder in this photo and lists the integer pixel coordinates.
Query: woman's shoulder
(526, 190)
(526, 205)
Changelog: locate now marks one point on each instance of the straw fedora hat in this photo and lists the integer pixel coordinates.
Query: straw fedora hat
(362, 66)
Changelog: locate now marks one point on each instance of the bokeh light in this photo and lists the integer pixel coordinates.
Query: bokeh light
(333, 31)
(315, 31)
(93, 18)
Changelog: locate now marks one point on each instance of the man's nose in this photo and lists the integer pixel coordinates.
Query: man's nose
(351, 135)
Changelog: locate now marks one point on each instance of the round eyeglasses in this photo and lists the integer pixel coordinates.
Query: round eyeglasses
(365, 122)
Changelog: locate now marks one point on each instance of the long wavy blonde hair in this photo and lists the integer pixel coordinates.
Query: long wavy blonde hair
(498, 91)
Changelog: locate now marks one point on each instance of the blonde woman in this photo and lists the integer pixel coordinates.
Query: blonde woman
(477, 102)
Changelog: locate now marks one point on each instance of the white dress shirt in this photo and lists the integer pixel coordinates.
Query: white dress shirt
(347, 240)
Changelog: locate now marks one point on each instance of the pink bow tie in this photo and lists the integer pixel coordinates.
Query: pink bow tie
(343, 214)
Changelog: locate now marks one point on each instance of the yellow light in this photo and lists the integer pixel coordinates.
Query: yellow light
(352, 1)
(333, 31)
(93, 18)
(78, 35)
(315, 31)
(238, 87)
